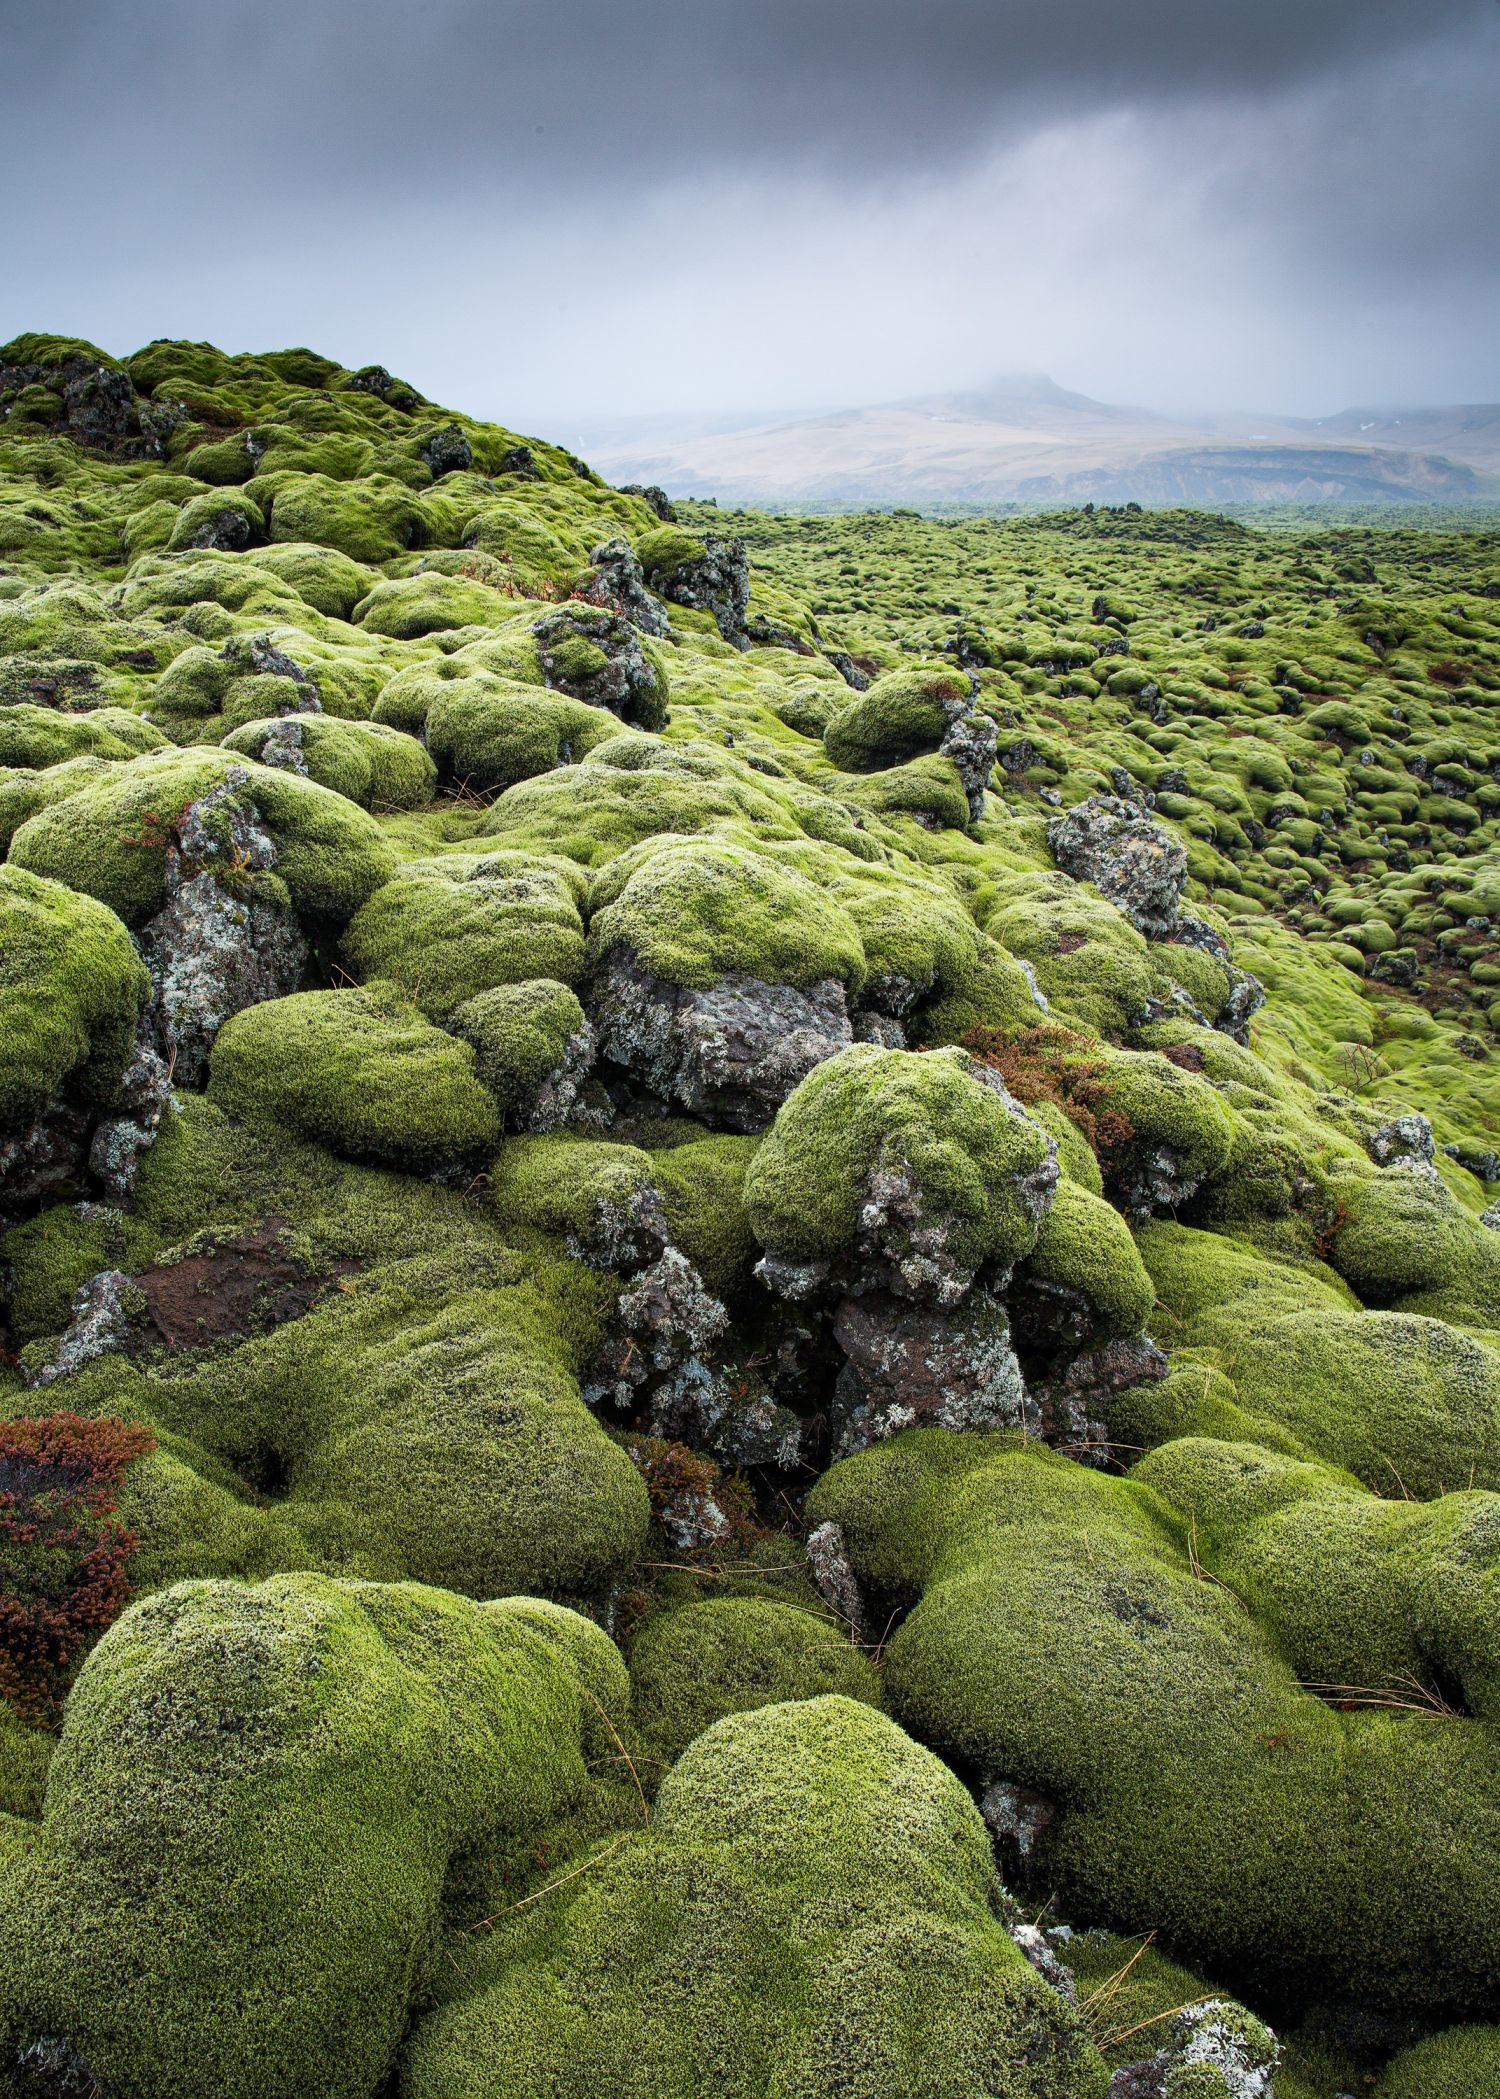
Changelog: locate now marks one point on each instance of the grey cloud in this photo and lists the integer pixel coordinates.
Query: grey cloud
(566, 210)
(569, 93)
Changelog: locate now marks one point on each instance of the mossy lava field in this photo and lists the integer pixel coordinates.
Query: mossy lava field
(750, 1342)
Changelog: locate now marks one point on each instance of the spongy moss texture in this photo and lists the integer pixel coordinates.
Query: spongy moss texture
(240, 1866)
(359, 1071)
(529, 1023)
(1202, 1786)
(71, 986)
(809, 1911)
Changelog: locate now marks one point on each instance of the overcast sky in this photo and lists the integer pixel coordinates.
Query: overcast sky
(561, 211)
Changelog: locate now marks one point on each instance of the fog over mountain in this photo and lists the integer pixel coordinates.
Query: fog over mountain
(561, 214)
(1023, 439)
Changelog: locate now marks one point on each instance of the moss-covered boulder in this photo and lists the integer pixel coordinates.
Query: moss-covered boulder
(691, 913)
(901, 716)
(450, 928)
(110, 837)
(811, 1909)
(1168, 1130)
(488, 732)
(367, 763)
(1398, 1232)
(1091, 964)
(915, 1170)
(594, 654)
(323, 578)
(598, 1197)
(23, 793)
(40, 736)
(371, 520)
(71, 987)
(344, 1368)
(226, 520)
(533, 1048)
(239, 1870)
(1458, 2064)
(1407, 1402)
(360, 1071)
(634, 787)
(406, 607)
(1065, 1639)
(734, 1654)
(1084, 1278)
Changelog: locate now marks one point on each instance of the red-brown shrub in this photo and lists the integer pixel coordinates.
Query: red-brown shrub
(1051, 1063)
(62, 1555)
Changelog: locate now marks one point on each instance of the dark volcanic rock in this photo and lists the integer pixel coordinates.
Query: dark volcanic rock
(655, 499)
(448, 451)
(143, 1097)
(1406, 1141)
(731, 1053)
(1129, 858)
(907, 1366)
(971, 742)
(620, 581)
(217, 945)
(627, 683)
(44, 1157)
(718, 583)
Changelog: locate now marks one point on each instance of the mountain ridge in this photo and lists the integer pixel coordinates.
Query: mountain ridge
(1021, 439)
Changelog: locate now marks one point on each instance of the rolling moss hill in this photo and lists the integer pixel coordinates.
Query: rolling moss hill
(751, 1322)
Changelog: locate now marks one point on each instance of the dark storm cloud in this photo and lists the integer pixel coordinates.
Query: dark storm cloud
(263, 94)
(502, 187)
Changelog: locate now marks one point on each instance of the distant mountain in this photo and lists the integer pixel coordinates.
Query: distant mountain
(1024, 439)
(1470, 433)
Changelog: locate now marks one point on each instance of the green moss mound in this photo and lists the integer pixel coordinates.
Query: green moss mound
(409, 606)
(71, 986)
(978, 1169)
(1084, 1251)
(810, 1910)
(1066, 1638)
(399, 1398)
(359, 1071)
(108, 838)
(1409, 1403)
(241, 1859)
(490, 732)
(449, 929)
(902, 715)
(574, 1189)
(702, 1187)
(40, 736)
(1133, 1991)
(1454, 2065)
(520, 1034)
(691, 913)
(25, 1754)
(734, 1654)
(376, 767)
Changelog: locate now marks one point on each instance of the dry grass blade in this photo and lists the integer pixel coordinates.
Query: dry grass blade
(1403, 1694)
(1111, 1985)
(624, 1752)
(877, 1654)
(1116, 2037)
(712, 1572)
(562, 1880)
